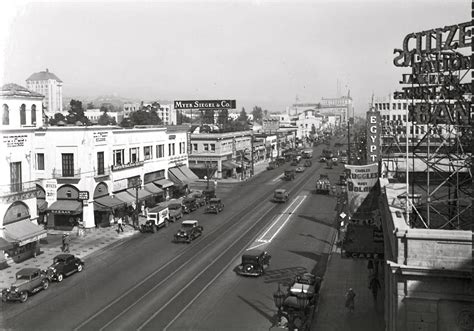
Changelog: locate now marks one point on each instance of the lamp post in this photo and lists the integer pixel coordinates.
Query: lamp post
(207, 179)
(137, 183)
(279, 297)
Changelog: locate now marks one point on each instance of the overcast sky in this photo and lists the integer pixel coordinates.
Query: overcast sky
(257, 52)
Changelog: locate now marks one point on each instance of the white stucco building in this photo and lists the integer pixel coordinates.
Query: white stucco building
(49, 85)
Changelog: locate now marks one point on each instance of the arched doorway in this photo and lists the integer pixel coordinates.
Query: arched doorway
(16, 212)
(66, 212)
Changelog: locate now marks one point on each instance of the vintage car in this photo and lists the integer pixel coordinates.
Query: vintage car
(280, 195)
(175, 210)
(189, 205)
(308, 163)
(300, 169)
(254, 263)
(27, 281)
(189, 231)
(157, 217)
(323, 185)
(208, 193)
(272, 165)
(307, 283)
(63, 266)
(343, 158)
(289, 174)
(199, 196)
(215, 206)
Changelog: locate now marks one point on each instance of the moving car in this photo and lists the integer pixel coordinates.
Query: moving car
(189, 231)
(280, 195)
(254, 263)
(300, 169)
(63, 266)
(27, 281)
(289, 174)
(215, 206)
(323, 185)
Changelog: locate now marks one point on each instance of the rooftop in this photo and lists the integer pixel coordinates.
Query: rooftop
(43, 75)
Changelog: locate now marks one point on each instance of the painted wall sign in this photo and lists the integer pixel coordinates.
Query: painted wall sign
(83, 195)
(373, 136)
(128, 165)
(204, 104)
(100, 136)
(119, 185)
(18, 140)
(51, 189)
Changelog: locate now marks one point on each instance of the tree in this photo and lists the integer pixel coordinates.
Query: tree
(76, 114)
(105, 119)
(243, 116)
(208, 116)
(56, 119)
(223, 117)
(141, 117)
(257, 114)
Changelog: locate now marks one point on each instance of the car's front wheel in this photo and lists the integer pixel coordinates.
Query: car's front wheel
(23, 296)
(60, 278)
(79, 268)
(45, 284)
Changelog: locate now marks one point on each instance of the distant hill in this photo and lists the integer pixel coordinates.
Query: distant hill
(115, 100)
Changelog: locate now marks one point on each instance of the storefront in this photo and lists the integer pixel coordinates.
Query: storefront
(22, 235)
(182, 177)
(106, 205)
(66, 211)
(229, 169)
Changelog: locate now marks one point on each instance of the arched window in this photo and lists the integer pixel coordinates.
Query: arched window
(23, 114)
(33, 114)
(5, 115)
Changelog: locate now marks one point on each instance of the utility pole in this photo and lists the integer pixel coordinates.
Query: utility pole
(349, 141)
(251, 154)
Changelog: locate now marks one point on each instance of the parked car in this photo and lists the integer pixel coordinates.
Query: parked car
(215, 206)
(323, 185)
(254, 263)
(199, 196)
(307, 282)
(300, 169)
(157, 217)
(27, 281)
(209, 193)
(189, 231)
(63, 266)
(272, 165)
(175, 210)
(280, 195)
(289, 174)
(189, 205)
(343, 158)
(308, 163)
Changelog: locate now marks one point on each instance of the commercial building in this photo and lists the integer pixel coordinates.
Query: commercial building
(21, 116)
(94, 114)
(49, 85)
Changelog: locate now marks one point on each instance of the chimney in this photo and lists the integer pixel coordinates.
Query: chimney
(47, 70)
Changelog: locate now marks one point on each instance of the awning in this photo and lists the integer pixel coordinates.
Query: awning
(142, 193)
(177, 176)
(152, 188)
(24, 232)
(125, 197)
(108, 203)
(66, 207)
(4, 244)
(42, 205)
(164, 183)
(189, 173)
(229, 164)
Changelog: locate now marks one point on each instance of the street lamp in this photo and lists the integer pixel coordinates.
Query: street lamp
(207, 179)
(279, 297)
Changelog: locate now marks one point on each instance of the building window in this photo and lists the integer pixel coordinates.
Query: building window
(33, 114)
(182, 148)
(15, 176)
(213, 147)
(100, 163)
(147, 153)
(23, 114)
(195, 147)
(39, 161)
(399, 106)
(5, 115)
(394, 117)
(171, 149)
(206, 147)
(404, 118)
(119, 157)
(404, 106)
(160, 151)
(68, 164)
(134, 156)
(400, 118)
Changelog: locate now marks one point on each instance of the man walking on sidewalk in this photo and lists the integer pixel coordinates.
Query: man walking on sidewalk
(350, 295)
(374, 286)
(119, 224)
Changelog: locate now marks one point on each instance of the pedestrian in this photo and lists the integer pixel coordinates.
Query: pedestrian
(350, 295)
(374, 286)
(119, 224)
(65, 247)
(370, 266)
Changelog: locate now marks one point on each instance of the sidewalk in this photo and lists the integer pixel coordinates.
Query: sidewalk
(92, 241)
(342, 274)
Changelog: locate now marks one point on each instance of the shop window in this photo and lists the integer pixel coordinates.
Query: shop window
(23, 114)
(39, 161)
(160, 151)
(119, 157)
(68, 164)
(100, 163)
(147, 153)
(33, 114)
(5, 115)
(134, 155)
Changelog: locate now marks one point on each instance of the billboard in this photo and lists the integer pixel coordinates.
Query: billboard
(360, 181)
(373, 136)
(204, 104)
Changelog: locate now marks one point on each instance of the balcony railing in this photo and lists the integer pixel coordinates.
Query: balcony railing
(102, 172)
(60, 174)
(15, 188)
